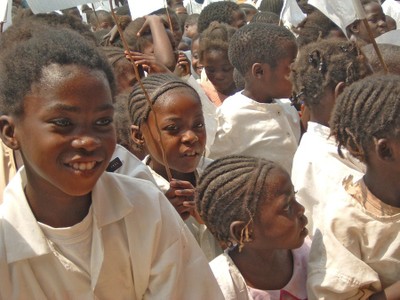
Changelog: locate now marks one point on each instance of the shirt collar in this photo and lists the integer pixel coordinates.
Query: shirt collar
(23, 237)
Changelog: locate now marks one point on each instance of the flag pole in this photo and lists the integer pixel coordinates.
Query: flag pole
(137, 75)
(361, 12)
(1, 27)
(375, 45)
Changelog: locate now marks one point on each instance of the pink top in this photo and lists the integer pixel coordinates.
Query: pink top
(215, 97)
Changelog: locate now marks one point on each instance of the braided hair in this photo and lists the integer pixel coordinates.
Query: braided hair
(155, 85)
(366, 110)
(324, 64)
(230, 189)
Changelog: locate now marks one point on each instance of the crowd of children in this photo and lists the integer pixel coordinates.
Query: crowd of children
(201, 151)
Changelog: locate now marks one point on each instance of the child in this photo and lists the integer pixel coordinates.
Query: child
(249, 204)
(319, 74)
(376, 21)
(183, 137)
(213, 54)
(254, 122)
(356, 253)
(68, 230)
(197, 67)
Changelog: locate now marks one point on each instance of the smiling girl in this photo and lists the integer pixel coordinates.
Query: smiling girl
(177, 111)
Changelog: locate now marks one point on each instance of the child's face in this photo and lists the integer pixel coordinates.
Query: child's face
(196, 65)
(278, 84)
(376, 21)
(181, 122)
(281, 223)
(66, 134)
(219, 71)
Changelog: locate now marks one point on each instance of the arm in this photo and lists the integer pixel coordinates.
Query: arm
(390, 293)
(163, 50)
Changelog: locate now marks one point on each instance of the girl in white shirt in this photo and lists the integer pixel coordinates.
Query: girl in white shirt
(173, 135)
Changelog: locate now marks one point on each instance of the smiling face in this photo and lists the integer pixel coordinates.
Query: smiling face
(196, 65)
(280, 223)
(181, 122)
(219, 71)
(66, 134)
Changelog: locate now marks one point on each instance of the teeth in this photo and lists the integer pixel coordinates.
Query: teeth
(83, 166)
(190, 154)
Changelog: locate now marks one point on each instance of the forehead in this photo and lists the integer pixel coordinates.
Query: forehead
(69, 82)
(373, 8)
(277, 183)
(176, 97)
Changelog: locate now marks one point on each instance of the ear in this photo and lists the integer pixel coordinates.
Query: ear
(384, 149)
(137, 136)
(7, 132)
(355, 27)
(257, 70)
(339, 89)
(235, 230)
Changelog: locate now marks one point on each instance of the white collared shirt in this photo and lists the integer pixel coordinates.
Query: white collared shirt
(264, 130)
(318, 171)
(141, 249)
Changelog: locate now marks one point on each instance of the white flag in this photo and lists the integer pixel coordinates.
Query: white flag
(341, 12)
(138, 9)
(40, 6)
(5, 13)
(291, 14)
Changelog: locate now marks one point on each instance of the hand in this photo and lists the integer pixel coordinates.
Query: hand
(149, 62)
(182, 66)
(149, 22)
(180, 194)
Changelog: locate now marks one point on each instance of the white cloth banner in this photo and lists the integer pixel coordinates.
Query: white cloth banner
(40, 6)
(6, 13)
(291, 13)
(341, 12)
(138, 9)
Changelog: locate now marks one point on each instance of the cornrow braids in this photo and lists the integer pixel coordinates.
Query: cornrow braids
(155, 85)
(324, 64)
(274, 6)
(230, 189)
(366, 110)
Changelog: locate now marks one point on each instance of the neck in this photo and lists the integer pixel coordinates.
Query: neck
(57, 211)
(161, 170)
(251, 264)
(254, 95)
(384, 186)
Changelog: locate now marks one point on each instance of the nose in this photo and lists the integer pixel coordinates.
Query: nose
(86, 142)
(189, 137)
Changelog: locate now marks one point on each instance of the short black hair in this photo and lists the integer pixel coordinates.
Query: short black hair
(259, 43)
(23, 60)
(221, 12)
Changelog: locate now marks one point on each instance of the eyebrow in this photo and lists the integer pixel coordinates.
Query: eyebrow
(60, 107)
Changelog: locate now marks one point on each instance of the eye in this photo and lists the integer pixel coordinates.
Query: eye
(104, 121)
(171, 128)
(62, 122)
(199, 125)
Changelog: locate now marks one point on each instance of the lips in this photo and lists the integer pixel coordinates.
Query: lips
(82, 166)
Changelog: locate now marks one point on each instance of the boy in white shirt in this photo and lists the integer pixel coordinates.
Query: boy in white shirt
(69, 230)
(255, 122)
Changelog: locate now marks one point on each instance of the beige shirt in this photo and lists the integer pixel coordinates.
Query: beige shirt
(8, 167)
(356, 252)
(140, 249)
